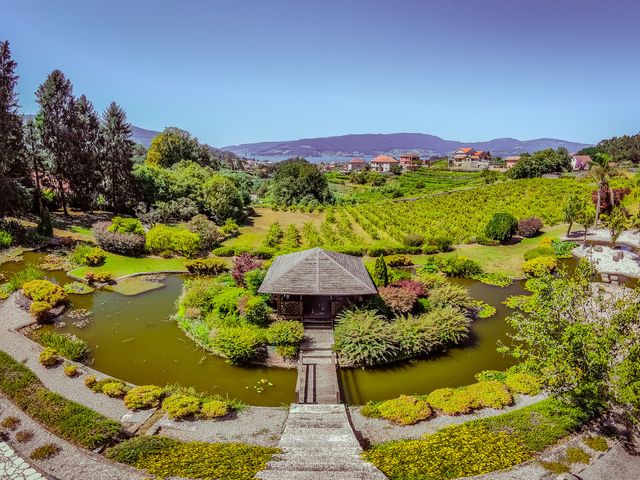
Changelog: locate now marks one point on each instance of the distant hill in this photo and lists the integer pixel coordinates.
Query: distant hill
(369, 145)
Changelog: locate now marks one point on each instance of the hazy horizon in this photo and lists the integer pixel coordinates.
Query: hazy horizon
(250, 71)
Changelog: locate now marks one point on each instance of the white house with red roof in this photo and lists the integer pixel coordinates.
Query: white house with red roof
(467, 158)
(581, 162)
(356, 165)
(383, 163)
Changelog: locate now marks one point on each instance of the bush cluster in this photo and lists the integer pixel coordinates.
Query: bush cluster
(501, 227)
(286, 336)
(129, 244)
(164, 457)
(206, 266)
(85, 254)
(539, 266)
(363, 337)
(458, 266)
(143, 396)
(405, 410)
(5, 239)
(462, 400)
(167, 241)
(64, 344)
(45, 295)
(208, 232)
(126, 225)
(239, 345)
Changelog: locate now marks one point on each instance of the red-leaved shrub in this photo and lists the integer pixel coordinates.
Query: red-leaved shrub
(241, 265)
(415, 287)
(398, 300)
(529, 226)
(605, 197)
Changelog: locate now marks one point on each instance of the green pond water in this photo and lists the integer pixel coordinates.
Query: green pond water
(133, 338)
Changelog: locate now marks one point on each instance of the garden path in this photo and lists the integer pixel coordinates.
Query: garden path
(13, 318)
(14, 467)
(317, 373)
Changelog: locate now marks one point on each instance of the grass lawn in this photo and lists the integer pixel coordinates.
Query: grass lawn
(120, 265)
(254, 231)
(506, 259)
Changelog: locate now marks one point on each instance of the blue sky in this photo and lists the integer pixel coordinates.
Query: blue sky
(236, 71)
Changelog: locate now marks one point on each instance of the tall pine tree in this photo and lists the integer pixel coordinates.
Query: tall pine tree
(13, 174)
(82, 170)
(56, 101)
(117, 156)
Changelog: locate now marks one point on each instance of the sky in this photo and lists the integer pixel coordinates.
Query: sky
(240, 71)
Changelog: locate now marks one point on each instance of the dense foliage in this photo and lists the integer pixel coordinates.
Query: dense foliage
(297, 181)
(501, 227)
(541, 162)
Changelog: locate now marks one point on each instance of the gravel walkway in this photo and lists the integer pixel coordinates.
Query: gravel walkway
(628, 237)
(72, 463)
(629, 265)
(377, 430)
(255, 425)
(12, 318)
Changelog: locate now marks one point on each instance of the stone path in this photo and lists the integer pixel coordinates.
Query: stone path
(319, 444)
(14, 467)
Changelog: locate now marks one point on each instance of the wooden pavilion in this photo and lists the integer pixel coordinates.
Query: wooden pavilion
(315, 285)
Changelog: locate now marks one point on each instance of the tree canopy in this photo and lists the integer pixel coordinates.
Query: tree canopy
(541, 162)
(174, 145)
(297, 181)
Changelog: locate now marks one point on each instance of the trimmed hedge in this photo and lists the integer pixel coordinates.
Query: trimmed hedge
(69, 420)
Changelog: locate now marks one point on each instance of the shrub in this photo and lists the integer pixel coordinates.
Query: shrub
(380, 274)
(70, 370)
(501, 227)
(462, 400)
(224, 251)
(576, 455)
(164, 457)
(165, 240)
(539, 266)
(180, 405)
(229, 227)
(208, 232)
(413, 286)
(126, 225)
(274, 235)
(285, 332)
(398, 261)
(429, 249)
(214, 409)
(114, 389)
(5, 239)
(240, 345)
(45, 291)
(563, 249)
(405, 410)
(97, 385)
(90, 381)
(450, 294)
(206, 266)
(287, 351)
(443, 243)
(263, 253)
(458, 266)
(62, 417)
(363, 337)
(496, 279)
(77, 288)
(415, 336)
(243, 264)
(49, 357)
(398, 300)
(24, 436)
(255, 309)
(45, 451)
(10, 422)
(39, 310)
(253, 279)
(456, 451)
(529, 227)
(103, 276)
(95, 257)
(129, 244)
(539, 252)
(596, 443)
(143, 396)
(69, 346)
(413, 240)
(524, 383)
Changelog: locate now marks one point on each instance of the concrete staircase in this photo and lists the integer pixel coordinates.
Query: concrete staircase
(319, 444)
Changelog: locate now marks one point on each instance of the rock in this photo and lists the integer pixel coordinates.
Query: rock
(597, 248)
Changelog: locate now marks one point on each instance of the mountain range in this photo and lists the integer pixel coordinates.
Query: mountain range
(370, 145)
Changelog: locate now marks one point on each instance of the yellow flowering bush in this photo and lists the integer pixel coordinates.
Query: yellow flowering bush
(180, 405)
(143, 396)
(214, 408)
(405, 410)
(457, 401)
(524, 383)
(457, 451)
(164, 457)
(539, 266)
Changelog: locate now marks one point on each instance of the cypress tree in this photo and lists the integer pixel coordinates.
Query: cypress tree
(380, 274)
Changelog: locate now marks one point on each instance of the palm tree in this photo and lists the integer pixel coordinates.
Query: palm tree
(602, 170)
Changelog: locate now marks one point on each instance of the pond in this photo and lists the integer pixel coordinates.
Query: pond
(133, 338)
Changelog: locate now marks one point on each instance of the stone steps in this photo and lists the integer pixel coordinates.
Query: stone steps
(318, 443)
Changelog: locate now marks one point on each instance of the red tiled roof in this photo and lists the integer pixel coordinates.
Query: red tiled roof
(384, 159)
(357, 160)
(466, 149)
(583, 158)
